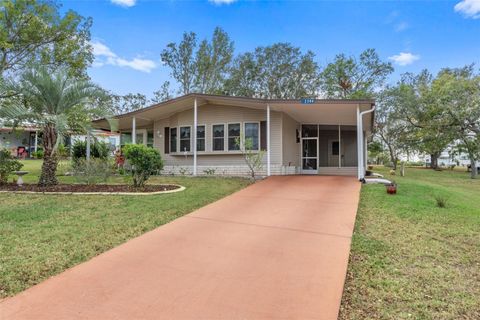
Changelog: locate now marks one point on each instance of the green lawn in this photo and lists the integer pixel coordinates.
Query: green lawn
(42, 235)
(411, 259)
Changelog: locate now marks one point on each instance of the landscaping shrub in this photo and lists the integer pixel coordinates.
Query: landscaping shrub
(144, 162)
(98, 149)
(92, 172)
(8, 165)
(38, 154)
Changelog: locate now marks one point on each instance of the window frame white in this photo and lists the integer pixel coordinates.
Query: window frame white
(180, 138)
(227, 133)
(258, 130)
(213, 136)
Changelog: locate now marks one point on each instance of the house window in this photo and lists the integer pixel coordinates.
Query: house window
(200, 138)
(218, 137)
(335, 148)
(173, 139)
(125, 138)
(185, 133)
(252, 132)
(233, 135)
(150, 139)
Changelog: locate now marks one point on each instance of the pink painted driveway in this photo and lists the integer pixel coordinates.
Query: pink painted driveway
(275, 250)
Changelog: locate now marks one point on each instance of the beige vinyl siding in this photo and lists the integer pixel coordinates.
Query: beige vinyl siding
(209, 115)
(291, 149)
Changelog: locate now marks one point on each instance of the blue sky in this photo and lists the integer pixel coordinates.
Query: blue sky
(128, 35)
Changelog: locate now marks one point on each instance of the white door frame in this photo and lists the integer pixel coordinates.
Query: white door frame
(304, 171)
(330, 155)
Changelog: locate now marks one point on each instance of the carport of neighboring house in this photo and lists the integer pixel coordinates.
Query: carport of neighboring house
(198, 132)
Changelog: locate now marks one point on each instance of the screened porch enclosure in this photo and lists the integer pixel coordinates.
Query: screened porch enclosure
(328, 146)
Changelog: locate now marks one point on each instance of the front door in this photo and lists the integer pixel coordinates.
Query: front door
(333, 153)
(310, 155)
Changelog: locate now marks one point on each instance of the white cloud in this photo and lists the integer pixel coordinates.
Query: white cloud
(469, 8)
(104, 55)
(124, 3)
(220, 2)
(404, 58)
(399, 27)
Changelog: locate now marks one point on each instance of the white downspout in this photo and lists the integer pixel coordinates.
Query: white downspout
(195, 123)
(268, 140)
(361, 142)
(359, 164)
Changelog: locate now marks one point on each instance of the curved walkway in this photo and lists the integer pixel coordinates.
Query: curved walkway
(275, 250)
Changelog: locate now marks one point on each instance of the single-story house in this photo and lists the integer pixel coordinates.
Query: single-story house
(23, 141)
(196, 133)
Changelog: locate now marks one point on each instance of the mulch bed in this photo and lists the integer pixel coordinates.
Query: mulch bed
(88, 188)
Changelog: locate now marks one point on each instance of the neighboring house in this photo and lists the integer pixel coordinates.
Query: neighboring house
(307, 136)
(112, 139)
(21, 141)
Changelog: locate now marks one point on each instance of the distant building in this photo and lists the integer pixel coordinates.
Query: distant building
(23, 141)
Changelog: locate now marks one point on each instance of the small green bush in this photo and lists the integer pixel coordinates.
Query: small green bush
(144, 162)
(38, 154)
(98, 149)
(8, 165)
(441, 200)
(92, 172)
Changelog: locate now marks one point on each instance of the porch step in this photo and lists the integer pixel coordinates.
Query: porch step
(335, 171)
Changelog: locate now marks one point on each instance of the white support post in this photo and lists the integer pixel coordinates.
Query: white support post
(268, 140)
(36, 141)
(339, 147)
(359, 143)
(134, 130)
(88, 145)
(195, 123)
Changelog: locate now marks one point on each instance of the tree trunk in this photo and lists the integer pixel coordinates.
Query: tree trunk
(473, 165)
(434, 161)
(48, 176)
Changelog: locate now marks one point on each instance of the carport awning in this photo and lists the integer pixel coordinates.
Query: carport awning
(322, 111)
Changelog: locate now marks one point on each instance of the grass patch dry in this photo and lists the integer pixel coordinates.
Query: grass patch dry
(412, 259)
(42, 235)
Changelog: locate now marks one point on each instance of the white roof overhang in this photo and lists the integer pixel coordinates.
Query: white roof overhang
(328, 112)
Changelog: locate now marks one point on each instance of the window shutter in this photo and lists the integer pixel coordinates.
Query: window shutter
(166, 141)
(263, 135)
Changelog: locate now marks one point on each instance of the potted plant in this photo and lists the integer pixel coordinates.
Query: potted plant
(391, 187)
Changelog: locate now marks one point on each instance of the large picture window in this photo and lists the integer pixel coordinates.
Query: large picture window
(233, 135)
(252, 132)
(218, 134)
(173, 139)
(185, 134)
(200, 138)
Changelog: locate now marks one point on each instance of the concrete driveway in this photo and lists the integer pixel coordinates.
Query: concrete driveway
(275, 250)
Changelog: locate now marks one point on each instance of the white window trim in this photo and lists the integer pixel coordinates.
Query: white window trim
(259, 133)
(228, 136)
(225, 128)
(205, 138)
(180, 139)
(177, 145)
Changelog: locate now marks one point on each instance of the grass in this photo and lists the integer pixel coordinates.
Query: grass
(42, 235)
(412, 259)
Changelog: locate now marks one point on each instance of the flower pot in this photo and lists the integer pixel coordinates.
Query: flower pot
(391, 189)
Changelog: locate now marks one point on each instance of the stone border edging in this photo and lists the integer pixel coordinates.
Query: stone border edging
(181, 188)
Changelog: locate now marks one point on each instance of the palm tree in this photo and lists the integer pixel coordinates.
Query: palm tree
(50, 99)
